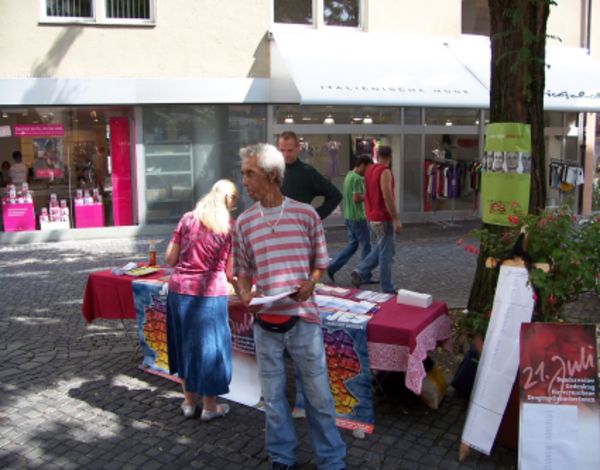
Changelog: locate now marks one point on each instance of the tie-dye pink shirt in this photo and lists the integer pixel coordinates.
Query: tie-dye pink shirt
(203, 257)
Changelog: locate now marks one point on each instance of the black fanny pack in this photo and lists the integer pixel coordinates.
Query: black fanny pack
(277, 327)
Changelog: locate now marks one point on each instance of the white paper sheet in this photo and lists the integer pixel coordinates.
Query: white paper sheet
(513, 305)
(552, 444)
(269, 299)
(245, 384)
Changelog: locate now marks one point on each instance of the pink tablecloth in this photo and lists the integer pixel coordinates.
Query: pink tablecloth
(109, 296)
(399, 336)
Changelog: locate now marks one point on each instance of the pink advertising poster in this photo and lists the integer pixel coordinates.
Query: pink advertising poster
(38, 130)
(559, 416)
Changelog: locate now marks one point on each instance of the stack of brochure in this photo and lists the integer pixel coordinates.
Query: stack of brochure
(373, 296)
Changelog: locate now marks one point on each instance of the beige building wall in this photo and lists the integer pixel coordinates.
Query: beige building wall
(425, 17)
(208, 38)
(214, 38)
(565, 23)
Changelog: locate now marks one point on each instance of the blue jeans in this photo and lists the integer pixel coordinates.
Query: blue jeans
(304, 343)
(382, 255)
(358, 234)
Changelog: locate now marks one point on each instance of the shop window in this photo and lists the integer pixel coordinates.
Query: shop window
(363, 115)
(100, 11)
(303, 12)
(412, 116)
(475, 17)
(187, 148)
(451, 117)
(78, 164)
(450, 168)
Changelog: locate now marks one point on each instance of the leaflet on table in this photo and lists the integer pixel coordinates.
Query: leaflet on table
(339, 291)
(345, 305)
(372, 296)
(269, 299)
(123, 269)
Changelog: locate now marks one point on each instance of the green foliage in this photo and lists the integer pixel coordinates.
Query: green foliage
(596, 196)
(570, 247)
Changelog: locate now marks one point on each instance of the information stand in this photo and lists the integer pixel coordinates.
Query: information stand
(89, 215)
(18, 217)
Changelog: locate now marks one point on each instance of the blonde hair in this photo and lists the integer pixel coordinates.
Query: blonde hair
(214, 209)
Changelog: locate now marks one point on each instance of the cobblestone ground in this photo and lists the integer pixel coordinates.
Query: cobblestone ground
(71, 395)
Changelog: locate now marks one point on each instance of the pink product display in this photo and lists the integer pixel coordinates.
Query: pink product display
(18, 217)
(57, 211)
(17, 194)
(17, 208)
(84, 197)
(89, 215)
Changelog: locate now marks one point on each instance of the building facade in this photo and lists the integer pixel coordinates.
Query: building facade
(147, 101)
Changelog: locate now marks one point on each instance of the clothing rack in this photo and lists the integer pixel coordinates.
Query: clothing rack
(459, 183)
(438, 221)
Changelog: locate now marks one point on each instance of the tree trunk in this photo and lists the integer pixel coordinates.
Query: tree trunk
(518, 43)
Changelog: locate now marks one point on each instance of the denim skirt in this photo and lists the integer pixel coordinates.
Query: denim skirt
(199, 342)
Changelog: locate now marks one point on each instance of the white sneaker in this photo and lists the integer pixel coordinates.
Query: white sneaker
(221, 411)
(188, 411)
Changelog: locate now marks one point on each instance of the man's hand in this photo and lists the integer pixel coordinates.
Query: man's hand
(246, 297)
(305, 290)
(397, 226)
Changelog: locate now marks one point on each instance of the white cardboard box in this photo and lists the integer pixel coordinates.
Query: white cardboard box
(54, 225)
(416, 299)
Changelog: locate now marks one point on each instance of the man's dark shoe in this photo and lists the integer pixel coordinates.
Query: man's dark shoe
(330, 276)
(282, 466)
(355, 279)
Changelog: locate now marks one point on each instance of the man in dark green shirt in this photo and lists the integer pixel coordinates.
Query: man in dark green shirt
(301, 181)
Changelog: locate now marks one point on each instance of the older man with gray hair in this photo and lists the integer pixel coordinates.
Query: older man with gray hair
(280, 243)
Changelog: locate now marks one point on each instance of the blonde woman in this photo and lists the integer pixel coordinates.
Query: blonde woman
(198, 336)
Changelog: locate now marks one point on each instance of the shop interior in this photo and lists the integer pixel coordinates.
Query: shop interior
(67, 153)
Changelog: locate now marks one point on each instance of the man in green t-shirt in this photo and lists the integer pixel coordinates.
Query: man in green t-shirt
(354, 215)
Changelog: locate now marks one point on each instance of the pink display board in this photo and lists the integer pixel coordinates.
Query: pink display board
(48, 173)
(120, 154)
(34, 130)
(90, 215)
(18, 217)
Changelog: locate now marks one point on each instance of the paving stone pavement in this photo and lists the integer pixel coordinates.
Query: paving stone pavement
(71, 395)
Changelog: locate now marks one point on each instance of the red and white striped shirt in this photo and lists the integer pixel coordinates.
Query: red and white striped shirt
(279, 247)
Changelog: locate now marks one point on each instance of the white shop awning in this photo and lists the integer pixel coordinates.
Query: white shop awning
(358, 68)
(132, 91)
(572, 76)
